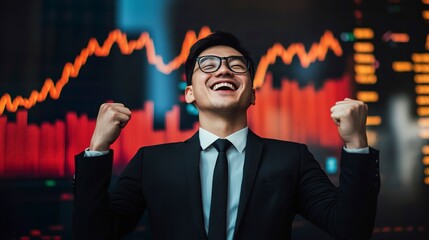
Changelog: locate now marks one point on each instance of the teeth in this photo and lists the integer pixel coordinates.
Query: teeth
(224, 84)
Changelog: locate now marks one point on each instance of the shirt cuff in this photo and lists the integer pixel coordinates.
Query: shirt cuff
(89, 153)
(357, 150)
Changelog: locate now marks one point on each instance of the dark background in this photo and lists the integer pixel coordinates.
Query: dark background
(39, 37)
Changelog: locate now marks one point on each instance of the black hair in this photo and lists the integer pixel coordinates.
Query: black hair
(215, 39)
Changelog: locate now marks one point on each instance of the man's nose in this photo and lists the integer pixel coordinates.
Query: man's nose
(224, 69)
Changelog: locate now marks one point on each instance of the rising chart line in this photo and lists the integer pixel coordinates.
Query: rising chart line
(318, 51)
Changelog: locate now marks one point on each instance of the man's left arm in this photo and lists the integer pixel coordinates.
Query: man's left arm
(346, 212)
(360, 178)
(360, 186)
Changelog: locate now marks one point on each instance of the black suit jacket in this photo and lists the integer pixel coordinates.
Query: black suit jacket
(280, 179)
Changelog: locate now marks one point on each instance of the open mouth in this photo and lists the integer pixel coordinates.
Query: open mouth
(223, 86)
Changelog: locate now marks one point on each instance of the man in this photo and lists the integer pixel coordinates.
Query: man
(267, 183)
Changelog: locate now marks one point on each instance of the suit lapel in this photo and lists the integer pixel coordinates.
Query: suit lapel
(191, 158)
(252, 158)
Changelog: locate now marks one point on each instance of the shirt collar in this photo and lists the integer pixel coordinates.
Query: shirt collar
(238, 139)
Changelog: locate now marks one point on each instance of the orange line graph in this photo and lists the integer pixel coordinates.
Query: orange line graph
(71, 70)
(317, 51)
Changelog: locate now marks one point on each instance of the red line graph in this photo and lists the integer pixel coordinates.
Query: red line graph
(318, 51)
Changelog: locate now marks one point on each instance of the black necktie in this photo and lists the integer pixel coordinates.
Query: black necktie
(217, 219)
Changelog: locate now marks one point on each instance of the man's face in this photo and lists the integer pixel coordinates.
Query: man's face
(222, 91)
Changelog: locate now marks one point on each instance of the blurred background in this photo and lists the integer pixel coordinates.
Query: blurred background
(59, 60)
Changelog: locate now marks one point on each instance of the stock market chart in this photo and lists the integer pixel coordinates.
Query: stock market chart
(61, 60)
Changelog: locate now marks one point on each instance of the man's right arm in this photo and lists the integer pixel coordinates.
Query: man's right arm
(98, 214)
(94, 215)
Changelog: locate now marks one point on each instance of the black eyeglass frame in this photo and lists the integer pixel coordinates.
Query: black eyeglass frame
(245, 60)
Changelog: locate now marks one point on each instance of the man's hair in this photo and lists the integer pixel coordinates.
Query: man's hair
(215, 39)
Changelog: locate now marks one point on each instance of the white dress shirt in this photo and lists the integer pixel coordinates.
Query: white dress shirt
(235, 155)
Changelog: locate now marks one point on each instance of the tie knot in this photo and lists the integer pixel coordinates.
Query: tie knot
(222, 145)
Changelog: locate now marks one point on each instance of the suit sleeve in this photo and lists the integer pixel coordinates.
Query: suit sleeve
(98, 214)
(346, 212)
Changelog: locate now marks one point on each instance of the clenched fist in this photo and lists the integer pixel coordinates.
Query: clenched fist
(350, 117)
(112, 117)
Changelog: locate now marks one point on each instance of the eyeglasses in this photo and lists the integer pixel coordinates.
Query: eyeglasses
(211, 63)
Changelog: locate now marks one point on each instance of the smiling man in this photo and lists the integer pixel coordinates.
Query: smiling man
(225, 182)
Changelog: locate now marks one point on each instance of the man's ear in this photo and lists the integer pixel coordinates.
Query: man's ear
(253, 98)
(189, 94)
